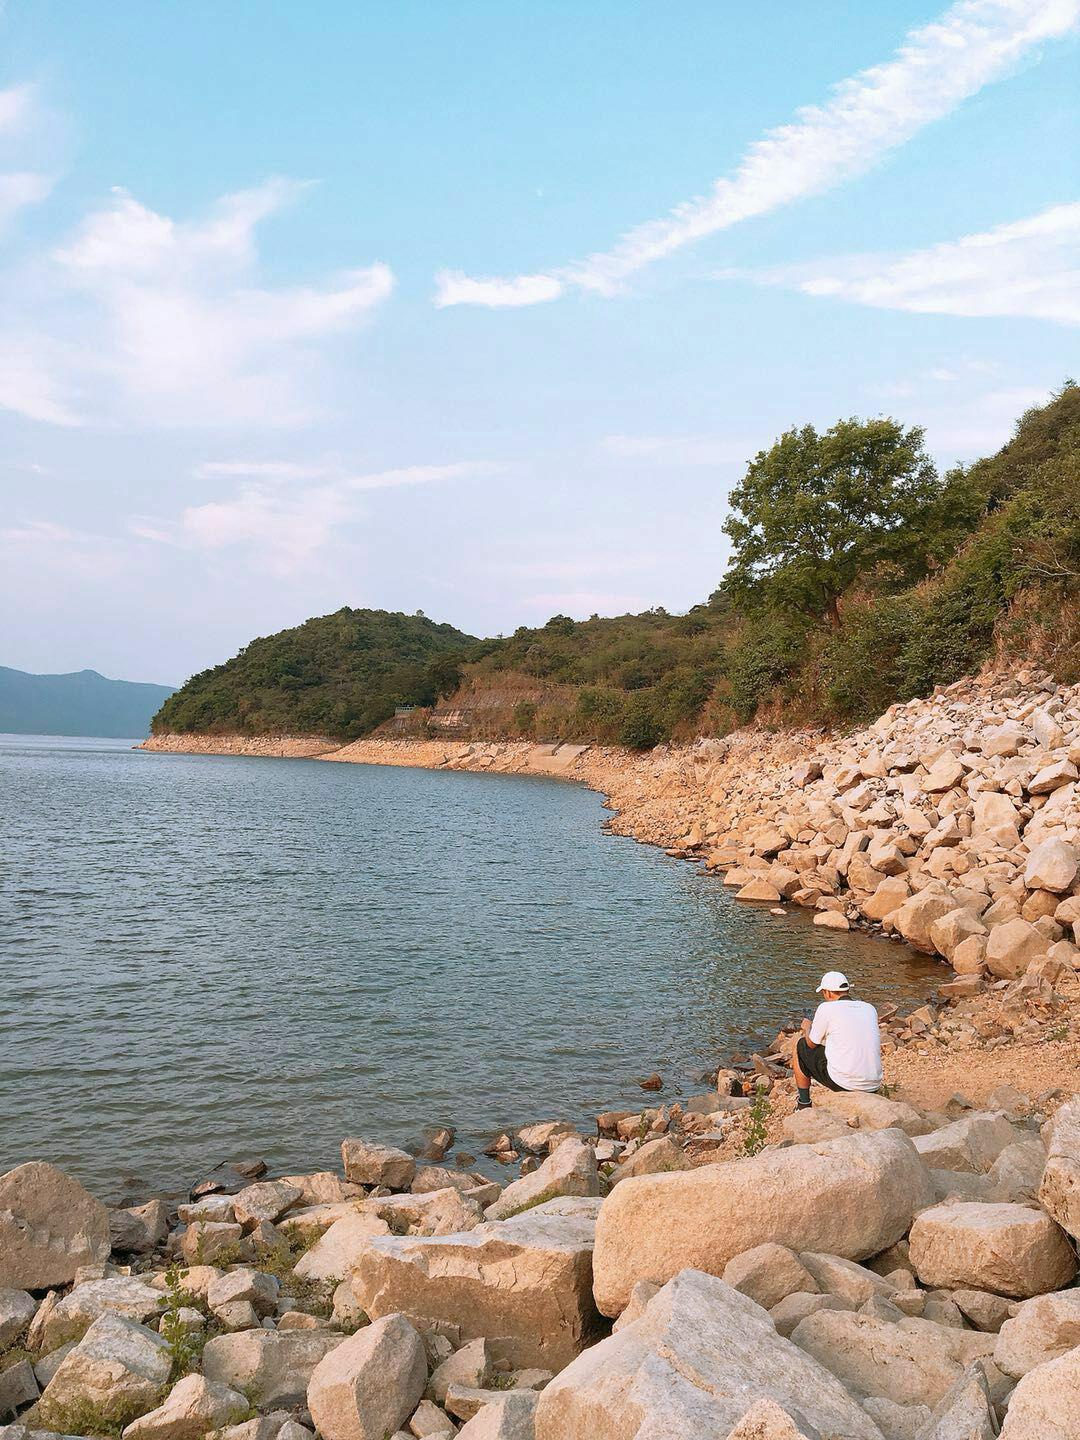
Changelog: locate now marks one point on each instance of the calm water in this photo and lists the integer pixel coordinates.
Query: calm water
(202, 958)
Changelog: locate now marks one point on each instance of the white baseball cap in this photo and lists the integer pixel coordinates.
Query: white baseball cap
(834, 982)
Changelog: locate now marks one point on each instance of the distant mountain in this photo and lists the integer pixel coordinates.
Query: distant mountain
(83, 703)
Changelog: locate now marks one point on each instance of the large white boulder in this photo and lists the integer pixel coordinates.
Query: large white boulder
(692, 1364)
(369, 1385)
(273, 1366)
(1009, 1249)
(50, 1226)
(125, 1295)
(17, 1309)
(570, 1169)
(877, 1357)
(1052, 865)
(872, 1112)
(193, 1408)
(337, 1249)
(966, 1412)
(971, 1143)
(1041, 1330)
(523, 1283)
(1011, 947)
(118, 1371)
(509, 1417)
(852, 1196)
(367, 1163)
(1044, 1406)
(1059, 1192)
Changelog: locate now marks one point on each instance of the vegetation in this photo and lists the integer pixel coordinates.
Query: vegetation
(858, 577)
(756, 1133)
(340, 675)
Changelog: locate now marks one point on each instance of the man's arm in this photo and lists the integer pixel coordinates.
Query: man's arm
(817, 1028)
(806, 1024)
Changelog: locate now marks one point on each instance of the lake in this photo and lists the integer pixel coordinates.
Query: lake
(205, 958)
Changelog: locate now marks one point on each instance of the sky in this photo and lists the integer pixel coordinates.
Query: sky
(481, 309)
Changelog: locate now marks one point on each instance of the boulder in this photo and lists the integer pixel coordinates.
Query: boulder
(810, 1126)
(915, 918)
(139, 1229)
(508, 1417)
(655, 1157)
(370, 1164)
(887, 898)
(1016, 1174)
(273, 1366)
(570, 1169)
(1043, 1405)
(691, 1365)
(204, 1240)
(768, 1273)
(50, 1226)
(984, 1310)
(793, 1308)
(872, 1112)
(1059, 1191)
(337, 1249)
(851, 1196)
(971, 1143)
(1041, 1330)
(125, 1295)
(17, 1309)
(18, 1388)
(996, 815)
(268, 1201)
(1052, 865)
(370, 1384)
(965, 1412)
(468, 1367)
(758, 889)
(1050, 777)
(1008, 1249)
(194, 1407)
(244, 1286)
(877, 1357)
(523, 1283)
(118, 1370)
(953, 929)
(854, 1284)
(1010, 948)
(433, 1212)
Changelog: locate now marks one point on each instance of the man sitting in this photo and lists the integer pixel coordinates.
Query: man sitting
(841, 1047)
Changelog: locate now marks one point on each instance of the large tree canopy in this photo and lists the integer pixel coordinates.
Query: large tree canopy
(816, 511)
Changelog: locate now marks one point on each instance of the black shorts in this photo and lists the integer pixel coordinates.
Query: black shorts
(812, 1063)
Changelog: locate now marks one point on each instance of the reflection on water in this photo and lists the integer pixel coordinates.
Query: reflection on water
(204, 957)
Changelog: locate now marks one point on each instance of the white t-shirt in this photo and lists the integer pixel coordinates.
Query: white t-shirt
(849, 1030)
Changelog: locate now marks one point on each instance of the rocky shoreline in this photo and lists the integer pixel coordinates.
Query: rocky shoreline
(898, 1266)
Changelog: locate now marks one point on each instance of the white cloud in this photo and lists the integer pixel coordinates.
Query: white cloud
(258, 469)
(144, 318)
(286, 529)
(1028, 269)
(455, 288)
(19, 188)
(935, 69)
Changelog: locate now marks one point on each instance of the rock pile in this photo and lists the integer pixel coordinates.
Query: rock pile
(908, 1277)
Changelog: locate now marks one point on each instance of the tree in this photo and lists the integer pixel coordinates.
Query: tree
(817, 511)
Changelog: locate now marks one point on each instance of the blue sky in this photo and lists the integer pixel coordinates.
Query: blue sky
(481, 308)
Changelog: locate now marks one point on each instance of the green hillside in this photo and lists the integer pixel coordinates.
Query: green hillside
(339, 674)
(859, 576)
(80, 703)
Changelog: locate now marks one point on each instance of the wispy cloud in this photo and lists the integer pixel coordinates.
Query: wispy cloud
(143, 316)
(18, 188)
(935, 69)
(1029, 269)
(287, 527)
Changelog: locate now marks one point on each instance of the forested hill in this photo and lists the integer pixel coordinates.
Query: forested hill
(340, 675)
(82, 703)
(859, 576)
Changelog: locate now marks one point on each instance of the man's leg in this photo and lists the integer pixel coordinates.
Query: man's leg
(802, 1079)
